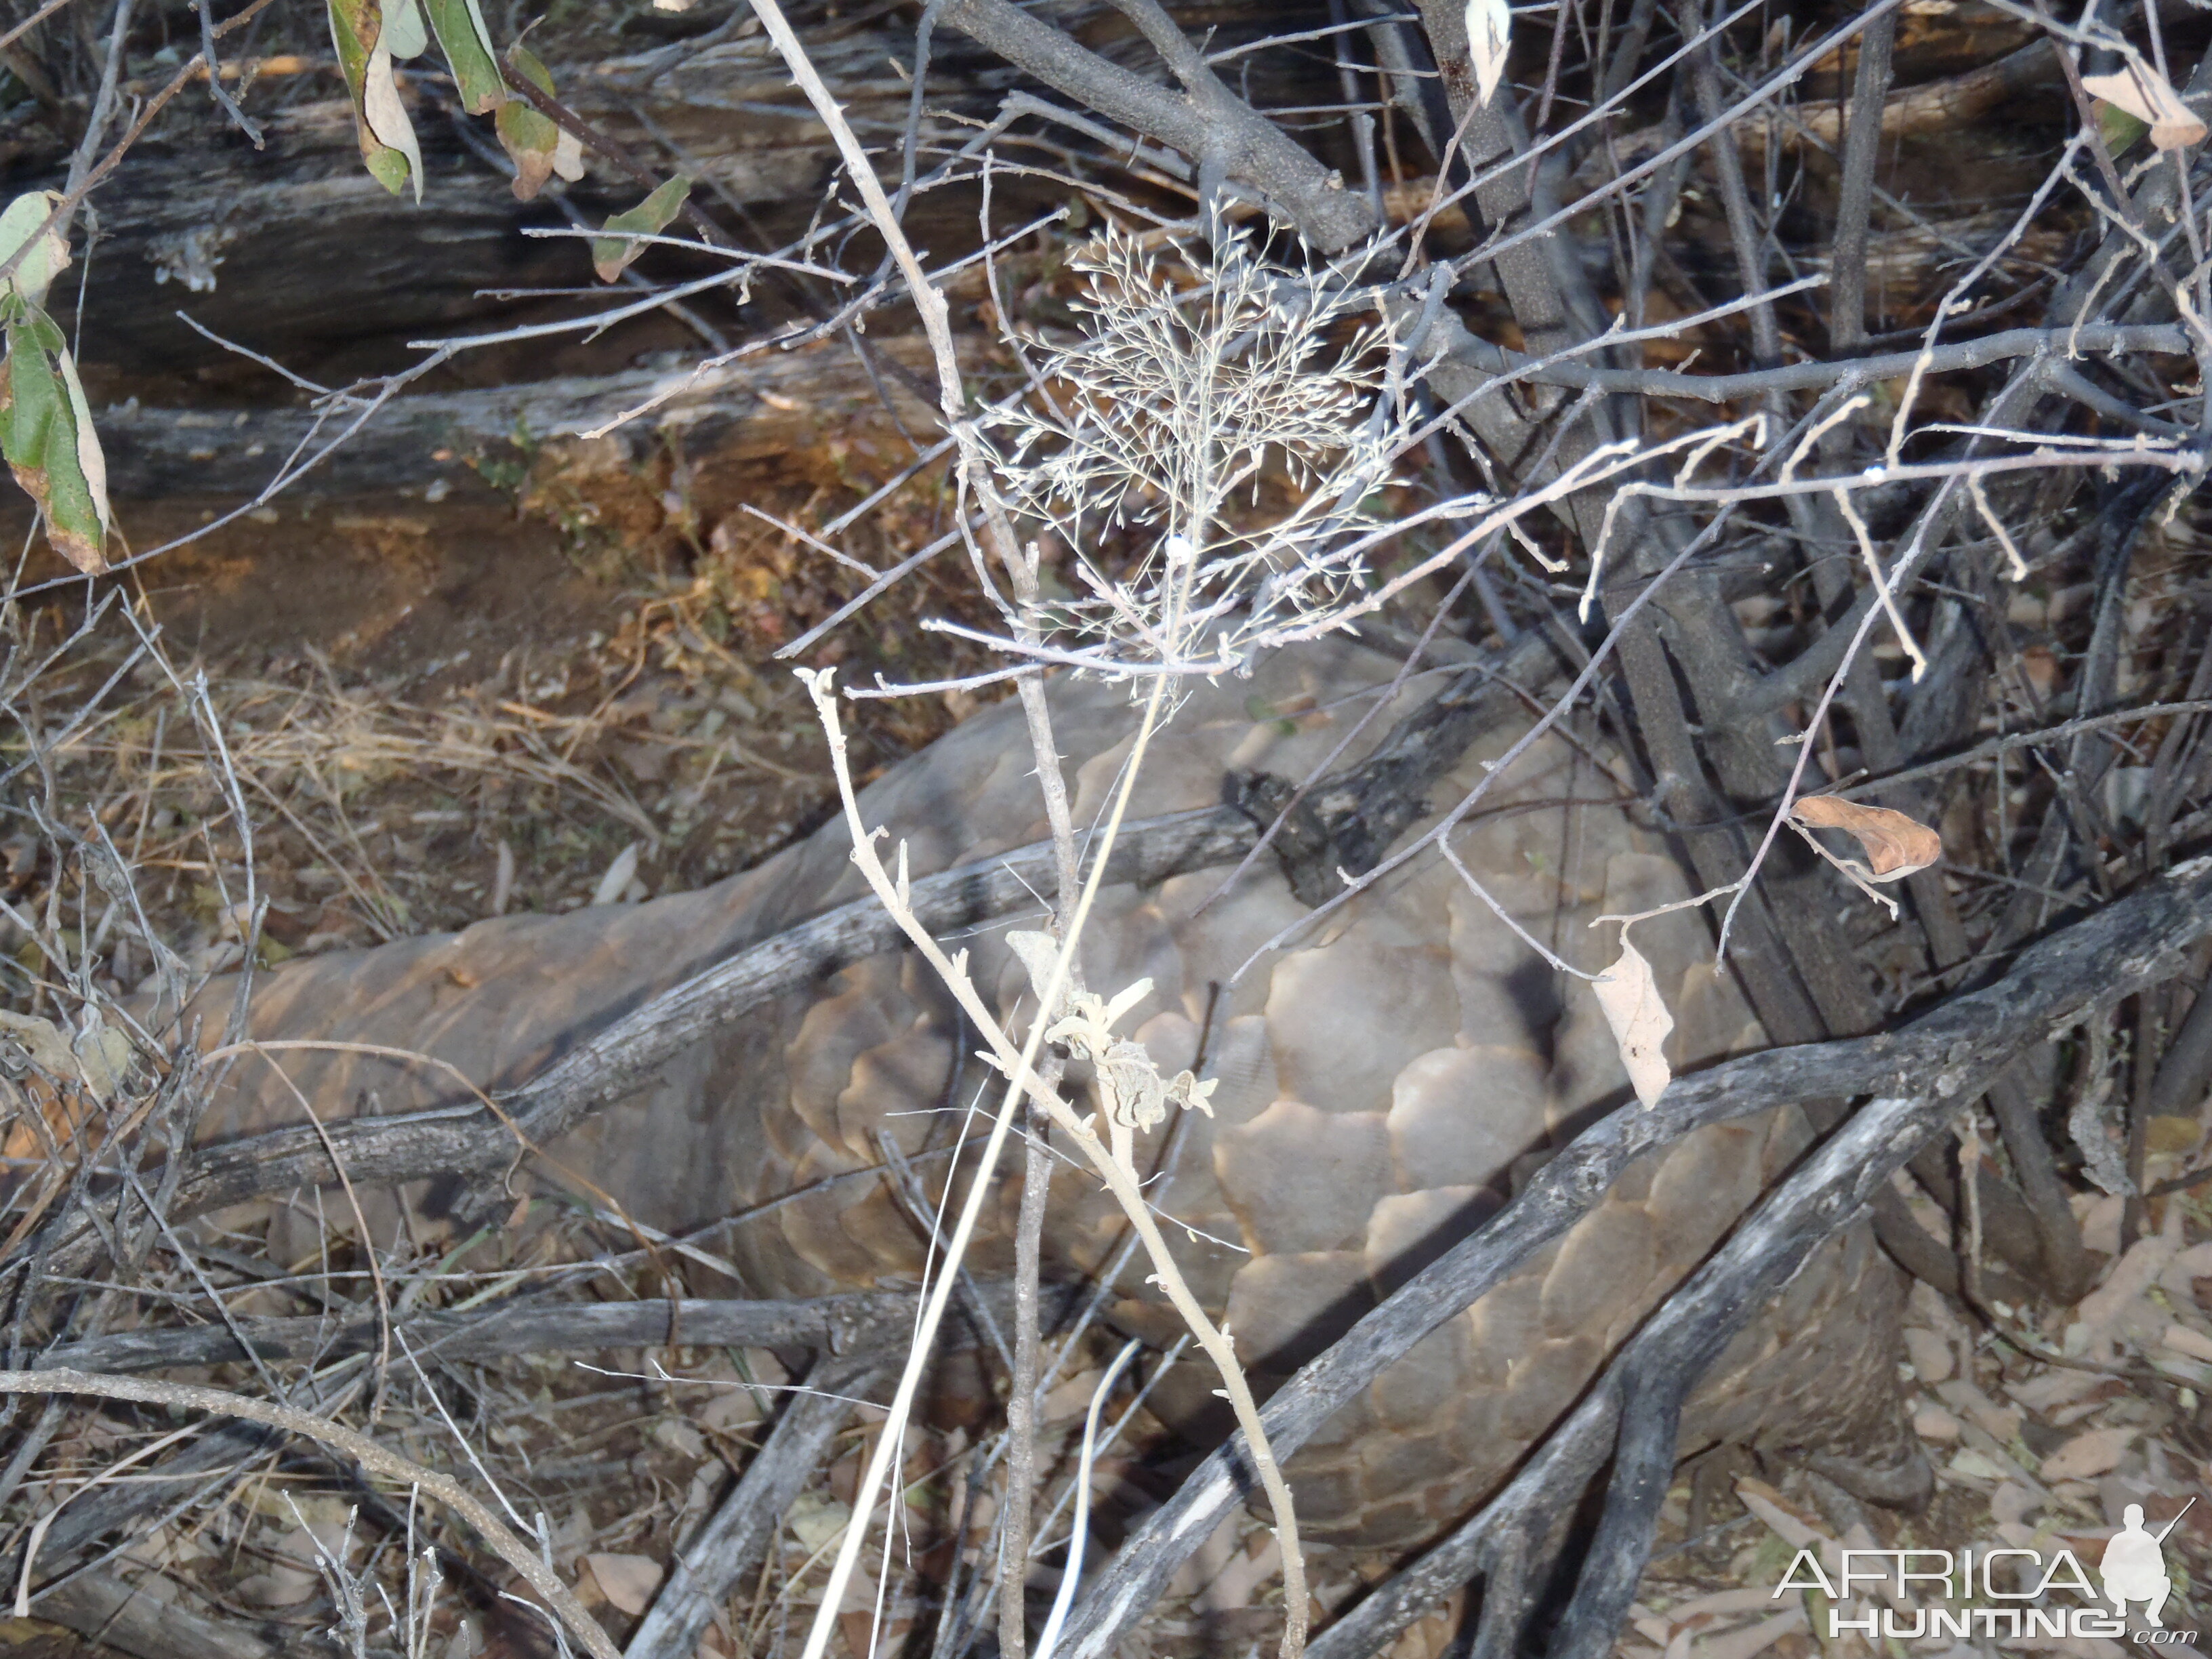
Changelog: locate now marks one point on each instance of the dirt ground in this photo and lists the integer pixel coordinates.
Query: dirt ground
(569, 667)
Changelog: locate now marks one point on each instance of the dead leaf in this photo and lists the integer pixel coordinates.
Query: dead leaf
(99, 1059)
(627, 1581)
(817, 1520)
(734, 1410)
(618, 876)
(293, 1575)
(1234, 1585)
(1633, 1007)
(2190, 1345)
(1934, 1422)
(103, 1060)
(2097, 1452)
(1748, 1641)
(1072, 1398)
(34, 273)
(2128, 84)
(2172, 1135)
(1895, 845)
(1798, 1527)
(1931, 1356)
(1489, 37)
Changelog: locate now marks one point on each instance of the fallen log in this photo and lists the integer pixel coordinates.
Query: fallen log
(769, 404)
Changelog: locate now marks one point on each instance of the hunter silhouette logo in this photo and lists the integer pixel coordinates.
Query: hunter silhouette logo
(1997, 1593)
(2134, 1567)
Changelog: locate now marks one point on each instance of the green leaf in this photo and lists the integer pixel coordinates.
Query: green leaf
(47, 435)
(536, 143)
(612, 253)
(387, 136)
(2119, 130)
(404, 37)
(467, 43)
(22, 221)
(1263, 711)
(527, 64)
(530, 140)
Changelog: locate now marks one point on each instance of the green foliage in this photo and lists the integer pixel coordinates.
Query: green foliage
(2120, 130)
(537, 144)
(388, 147)
(45, 424)
(612, 253)
(368, 36)
(466, 42)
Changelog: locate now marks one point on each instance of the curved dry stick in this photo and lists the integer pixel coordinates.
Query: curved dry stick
(372, 1458)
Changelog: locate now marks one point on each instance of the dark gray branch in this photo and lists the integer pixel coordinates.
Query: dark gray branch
(122, 1617)
(765, 405)
(1249, 148)
(1853, 209)
(1814, 375)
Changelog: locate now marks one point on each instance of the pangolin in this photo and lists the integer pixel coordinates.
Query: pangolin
(1380, 1083)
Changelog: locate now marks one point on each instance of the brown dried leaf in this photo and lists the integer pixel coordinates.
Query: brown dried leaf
(2086, 1455)
(2145, 93)
(1895, 845)
(628, 1581)
(1630, 996)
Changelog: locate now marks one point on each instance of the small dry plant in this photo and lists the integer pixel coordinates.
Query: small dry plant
(1199, 383)
(1192, 381)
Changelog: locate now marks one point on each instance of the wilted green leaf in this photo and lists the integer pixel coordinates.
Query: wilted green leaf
(387, 136)
(22, 219)
(530, 140)
(536, 143)
(46, 434)
(611, 253)
(467, 43)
